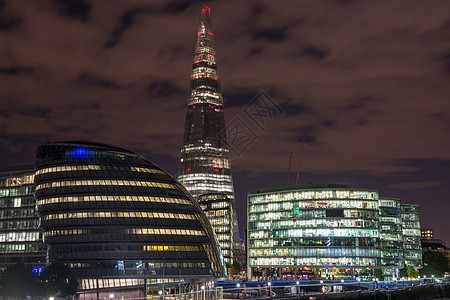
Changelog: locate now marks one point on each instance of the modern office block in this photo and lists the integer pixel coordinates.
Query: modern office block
(412, 249)
(21, 240)
(117, 220)
(327, 231)
(218, 208)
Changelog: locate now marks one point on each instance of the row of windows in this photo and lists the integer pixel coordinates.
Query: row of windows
(95, 168)
(33, 223)
(314, 213)
(118, 214)
(25, 236)
(317, 252)
(86, 284)
(350, 223)
(138, 231)
(313, 261)
(315, 242)
(15, 214)
(17, 180)
(12, 248)
(104, 182)
(99, 198)
(17, 202)
(356, 232)
(25, 190)
(170, 248)
(318, 194)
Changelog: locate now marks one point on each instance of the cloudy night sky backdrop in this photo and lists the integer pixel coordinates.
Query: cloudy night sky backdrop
(367, 83)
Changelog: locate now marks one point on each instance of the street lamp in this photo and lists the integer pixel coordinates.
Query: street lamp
(111, 296)
(359, 282)
(270, 289)
(238, 286)
(297, 287)
(375, 282)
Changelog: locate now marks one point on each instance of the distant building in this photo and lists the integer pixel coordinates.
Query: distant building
(327, 231)
(239, 254)
(205, 158)
(219, 210)
(21, 240)
(118, 221)
(412, 249)
(391, 236)
(427, 233)
(435, 245)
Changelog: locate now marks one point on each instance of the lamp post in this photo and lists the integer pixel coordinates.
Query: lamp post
(203, 292)
(238, 288)
(160, 294)
(111, 296)
(297, 287)
(374, 282)
(359, 282)
(270, 289)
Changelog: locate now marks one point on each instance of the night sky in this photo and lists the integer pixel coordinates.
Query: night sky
(366, 83)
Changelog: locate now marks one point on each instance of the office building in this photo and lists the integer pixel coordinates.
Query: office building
(412, 249)
(205, 164)
(21, 240)
(427, 233)
(119, 221)
(218, 208)
(391, 236)
(325, 231)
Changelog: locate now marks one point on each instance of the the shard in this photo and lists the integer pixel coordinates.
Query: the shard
(205, 166)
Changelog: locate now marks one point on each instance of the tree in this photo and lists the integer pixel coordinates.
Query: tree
(379, 274)
(412, 272)
(235, 269)
(404, 272)
(57, 280)
(434, 263)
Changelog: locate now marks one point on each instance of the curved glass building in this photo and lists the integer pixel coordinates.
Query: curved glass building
(118, 220)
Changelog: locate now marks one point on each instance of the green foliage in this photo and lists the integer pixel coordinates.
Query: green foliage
(434, 263)
(412, 272)
(404, 272)
(379, 274)
(235, 269)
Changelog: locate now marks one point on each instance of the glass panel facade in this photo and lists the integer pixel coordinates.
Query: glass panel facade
(21, 240)
(108, 212)
(330, 229)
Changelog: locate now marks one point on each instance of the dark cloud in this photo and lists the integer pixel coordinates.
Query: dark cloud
(74, 9)
(94, 80)
(163, 88)
(15, 70)
(8, 19)
(365, 81)
(315, 52)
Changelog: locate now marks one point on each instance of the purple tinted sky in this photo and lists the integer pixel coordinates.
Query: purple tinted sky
(366, 82)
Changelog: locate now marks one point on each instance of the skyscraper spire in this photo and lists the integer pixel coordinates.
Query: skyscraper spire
(205, 166)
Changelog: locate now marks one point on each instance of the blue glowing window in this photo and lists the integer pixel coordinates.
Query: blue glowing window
(79, 152)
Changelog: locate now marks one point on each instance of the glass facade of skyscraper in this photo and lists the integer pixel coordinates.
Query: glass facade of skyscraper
(321, 231)
(117, 219)
(412, 253)
(391, 236)
(218, 209)
(205, 165)
(21, 240)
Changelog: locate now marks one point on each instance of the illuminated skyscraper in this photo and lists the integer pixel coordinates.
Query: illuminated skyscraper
(205, 166)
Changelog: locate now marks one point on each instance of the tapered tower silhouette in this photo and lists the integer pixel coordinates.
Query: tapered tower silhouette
(205, 166)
